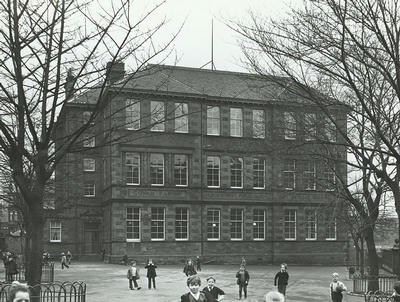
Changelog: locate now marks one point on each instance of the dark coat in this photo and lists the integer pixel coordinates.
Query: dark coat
(282, 278)
(246, 277)
(213, 293)
(202, 298)
(12, 268)
(151, 270)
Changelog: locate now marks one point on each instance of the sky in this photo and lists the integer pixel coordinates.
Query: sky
(193, 44)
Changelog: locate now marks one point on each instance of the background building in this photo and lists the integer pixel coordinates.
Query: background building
(182, 162)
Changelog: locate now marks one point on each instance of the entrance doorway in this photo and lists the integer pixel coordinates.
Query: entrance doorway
(91, 238)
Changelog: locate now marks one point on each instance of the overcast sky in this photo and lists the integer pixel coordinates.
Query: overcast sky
(193, 45)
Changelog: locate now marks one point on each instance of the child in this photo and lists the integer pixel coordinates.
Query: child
(151, 273)
(194, 294)
(133, 275)
(64, 261)
(243, 278)
(281, 279)
(337, 288)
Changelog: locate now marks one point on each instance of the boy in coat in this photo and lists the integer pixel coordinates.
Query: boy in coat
(151, 273)
(282, 278)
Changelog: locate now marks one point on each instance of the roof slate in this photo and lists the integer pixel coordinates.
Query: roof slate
(203, 83)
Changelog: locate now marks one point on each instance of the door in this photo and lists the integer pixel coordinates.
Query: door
(91, 238)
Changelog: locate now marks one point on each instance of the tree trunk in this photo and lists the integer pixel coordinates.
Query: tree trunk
(34, 246)
(362, 256)
(373, 260)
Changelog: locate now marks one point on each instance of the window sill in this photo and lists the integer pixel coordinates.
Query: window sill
(163, 239)
(311, 239)
(132, 240)
(129, 184)
(213, 239)
(181, 239)
(290, 239)
(330, 239)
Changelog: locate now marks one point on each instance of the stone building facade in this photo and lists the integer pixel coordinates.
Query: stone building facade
(180, 162)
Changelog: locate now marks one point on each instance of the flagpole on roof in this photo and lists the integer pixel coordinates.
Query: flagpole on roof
(212, 48)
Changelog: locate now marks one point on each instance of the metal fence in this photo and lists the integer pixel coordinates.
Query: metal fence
(378, 297)
(52, 292)
(47, 273)
(385, 282)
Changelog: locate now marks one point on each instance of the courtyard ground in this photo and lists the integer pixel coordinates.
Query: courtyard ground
(108, 283)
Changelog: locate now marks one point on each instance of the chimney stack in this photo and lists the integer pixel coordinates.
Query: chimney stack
(69, 85)
(115, 71)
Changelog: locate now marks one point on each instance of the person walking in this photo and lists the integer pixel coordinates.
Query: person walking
(213, 293)
(194, 294)
(69, 257)
(151, 273)
(281, 279)
(243, 278)
(133, 276)
(64, 261)
(336, 288)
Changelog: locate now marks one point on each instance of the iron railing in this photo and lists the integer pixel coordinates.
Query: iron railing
(378, 297)
(52, 292)
(47, 273)
(385, 283)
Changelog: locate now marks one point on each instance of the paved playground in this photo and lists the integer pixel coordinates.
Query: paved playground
(108, 283)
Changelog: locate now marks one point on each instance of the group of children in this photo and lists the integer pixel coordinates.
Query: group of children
(133, 275)
(66, 259)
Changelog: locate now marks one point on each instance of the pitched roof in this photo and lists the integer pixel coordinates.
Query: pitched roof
(203, 83)
(208, 83)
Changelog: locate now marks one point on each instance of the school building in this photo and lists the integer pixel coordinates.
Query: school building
(180, 162)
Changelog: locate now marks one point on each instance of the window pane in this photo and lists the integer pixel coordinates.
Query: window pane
(157, 169)
(213, 168)
(132, 114)
(213, 223)
(289, 125)
(180, 170)
(310, 126)
(181, 117)
(258, 173)
(213, 120)
(236, 224)
(236, 172)
(157, 116)
(181, 223)
(236, 122)
(289, 174)
(258, 124)
(133, 223)
(157, 223)
(258, 224)
(89, 164)
(311, 224)
(55, 231)
(132, 168)
(309, 175)
(290, 224)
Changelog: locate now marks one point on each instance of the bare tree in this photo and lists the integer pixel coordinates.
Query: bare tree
(349, 52)
(39, 42)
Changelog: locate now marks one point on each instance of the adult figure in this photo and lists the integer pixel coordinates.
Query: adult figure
(336, 288)
(198, 264)
(64, 261)
(133, 276)
(274, 297)
(242, 279)
(281, 279)
(69, 257)
(194, 294)
(212, 292)
(18, 293)
(151, 273)
(189, 269)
